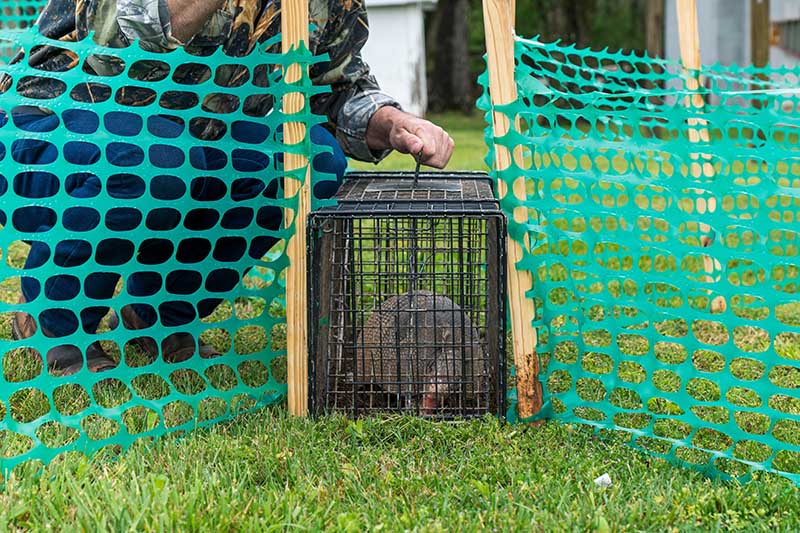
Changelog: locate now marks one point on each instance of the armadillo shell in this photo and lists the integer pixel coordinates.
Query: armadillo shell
(419, 343)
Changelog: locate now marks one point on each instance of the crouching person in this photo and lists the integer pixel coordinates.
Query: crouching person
(363, 123)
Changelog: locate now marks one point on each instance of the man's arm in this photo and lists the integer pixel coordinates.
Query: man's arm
(157, 24)
(368, 122)
(188, 16)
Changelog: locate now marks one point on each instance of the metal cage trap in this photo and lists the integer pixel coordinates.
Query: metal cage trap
(407, 297)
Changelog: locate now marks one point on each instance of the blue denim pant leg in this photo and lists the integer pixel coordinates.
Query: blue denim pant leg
(101, 285)
(38, 220)
(268, 217)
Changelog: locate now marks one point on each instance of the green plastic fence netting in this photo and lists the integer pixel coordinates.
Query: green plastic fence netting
(665, 263)
(19, 14)
(171, 207)
(16, 15)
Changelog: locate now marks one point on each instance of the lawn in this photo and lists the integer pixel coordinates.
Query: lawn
(269, 471)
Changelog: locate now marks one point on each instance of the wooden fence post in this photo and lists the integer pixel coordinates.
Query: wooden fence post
(498, 22)
(760, 29)
(294, 30)
(689, 40)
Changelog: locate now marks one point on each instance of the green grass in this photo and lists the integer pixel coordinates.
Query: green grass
(269, 471)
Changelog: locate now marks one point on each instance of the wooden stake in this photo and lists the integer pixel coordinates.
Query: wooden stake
(689, 40)
(497, 19)
(654, 27)
(760, 43)
(759, 32)
(294, 29)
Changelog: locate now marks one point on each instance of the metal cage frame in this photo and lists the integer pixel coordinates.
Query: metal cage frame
(418, 203)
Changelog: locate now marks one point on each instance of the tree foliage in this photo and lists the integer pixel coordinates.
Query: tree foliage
(617, 24)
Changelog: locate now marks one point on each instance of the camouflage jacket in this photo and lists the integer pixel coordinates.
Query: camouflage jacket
(341, 31)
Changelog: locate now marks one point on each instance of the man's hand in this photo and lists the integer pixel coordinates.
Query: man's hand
(391, 128)
(187, 17)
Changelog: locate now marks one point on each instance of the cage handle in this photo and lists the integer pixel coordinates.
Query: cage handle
(416, 170)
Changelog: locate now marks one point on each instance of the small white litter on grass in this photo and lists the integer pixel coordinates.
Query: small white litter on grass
(603, 481)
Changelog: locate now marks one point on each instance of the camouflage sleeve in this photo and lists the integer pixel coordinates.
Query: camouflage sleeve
(147, 21)
(120, 22)
(355, 95)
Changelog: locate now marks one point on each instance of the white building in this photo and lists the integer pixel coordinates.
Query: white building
(395, 50)
(724, 28)
(785, 17)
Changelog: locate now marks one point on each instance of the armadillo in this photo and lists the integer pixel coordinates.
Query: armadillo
(424, 342)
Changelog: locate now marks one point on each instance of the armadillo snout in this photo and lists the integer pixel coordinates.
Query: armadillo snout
(423, 347)
(429, 404)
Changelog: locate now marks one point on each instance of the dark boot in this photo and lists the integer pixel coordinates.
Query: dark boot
(176, 348)
(179, 347)
(65, 359)
(23, 325)
(132, 321)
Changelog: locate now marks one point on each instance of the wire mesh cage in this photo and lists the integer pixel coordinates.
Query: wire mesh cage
(407, 292)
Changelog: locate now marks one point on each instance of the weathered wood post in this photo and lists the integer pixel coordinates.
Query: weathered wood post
(759, 32)
(294, 30)
(689, 41)
(498, 19)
